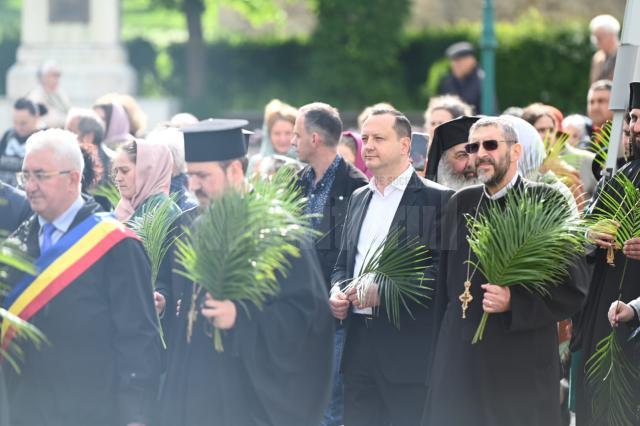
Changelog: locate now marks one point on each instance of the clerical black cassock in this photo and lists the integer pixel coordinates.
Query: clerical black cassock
(512, 376)
(592, 324)
(277, 362)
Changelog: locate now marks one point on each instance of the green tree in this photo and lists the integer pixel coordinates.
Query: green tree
(355, 50)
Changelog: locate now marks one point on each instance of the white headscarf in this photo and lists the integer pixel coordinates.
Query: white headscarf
(533, 152)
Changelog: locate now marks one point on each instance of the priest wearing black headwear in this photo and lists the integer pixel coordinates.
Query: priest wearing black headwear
(448, 162)
(277, 363)
(592, 324)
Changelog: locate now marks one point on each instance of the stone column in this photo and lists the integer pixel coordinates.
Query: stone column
(83, 38)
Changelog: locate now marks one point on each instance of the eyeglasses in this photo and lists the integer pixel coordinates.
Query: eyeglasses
(40, 176)
(488, 145)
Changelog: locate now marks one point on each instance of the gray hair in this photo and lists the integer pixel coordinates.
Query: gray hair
(62, 143)
(173, 139)
(324, 119)
(505, 127)
(450, 103)
(577, 121)
(605, 22)
(46, 67)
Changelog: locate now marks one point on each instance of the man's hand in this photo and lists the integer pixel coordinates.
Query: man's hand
(631, 248)
(222, 313)
(159, 301)
(496, 299)
(620, 312)
(369, 299)
(602, 233)
(339, 304)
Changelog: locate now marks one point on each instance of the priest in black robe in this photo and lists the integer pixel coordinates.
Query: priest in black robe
(277, 362)
(592, 324)
(512, 376)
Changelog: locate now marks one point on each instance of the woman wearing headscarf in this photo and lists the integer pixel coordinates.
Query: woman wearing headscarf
(142, 173)
(279, 119)
(26, 114)
(117, 127)
(350, 148)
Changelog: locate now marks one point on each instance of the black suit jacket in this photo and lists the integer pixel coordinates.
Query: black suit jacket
(401, 354)
(102, 366)
(347, 179)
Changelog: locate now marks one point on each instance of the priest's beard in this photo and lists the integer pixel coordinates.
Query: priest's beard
(448, 177)
(500, 169)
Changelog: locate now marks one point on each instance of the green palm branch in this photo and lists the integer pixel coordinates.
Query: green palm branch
(530, 242)
(108, 191)
(24, 331)
(609, 371)
(617, 209)
(155, 227)
(243, 240)
(600, 142)
(614, 379)
(397, 267)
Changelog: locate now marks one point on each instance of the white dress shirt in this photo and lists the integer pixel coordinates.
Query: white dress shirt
(377, 220)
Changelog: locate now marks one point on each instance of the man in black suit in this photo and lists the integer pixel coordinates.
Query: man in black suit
(385, 367)
(327, 182)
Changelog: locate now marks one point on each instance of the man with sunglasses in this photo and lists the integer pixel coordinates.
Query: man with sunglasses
(91, 297)
(449, 163)
(511, 376)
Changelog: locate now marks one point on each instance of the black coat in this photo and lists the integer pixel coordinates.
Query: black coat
(592, 325)
(512, 376)
(347, 179)
(276, 365)
(400, 354)
(102, 365)
(14, 208)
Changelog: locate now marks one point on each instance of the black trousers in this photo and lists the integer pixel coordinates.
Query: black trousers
(370, 399)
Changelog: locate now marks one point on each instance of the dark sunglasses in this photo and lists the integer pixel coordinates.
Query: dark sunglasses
(488, 145)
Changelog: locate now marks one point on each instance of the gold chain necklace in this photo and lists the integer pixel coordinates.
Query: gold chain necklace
(466, 297)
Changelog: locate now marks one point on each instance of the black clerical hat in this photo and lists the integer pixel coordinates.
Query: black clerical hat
(214, 140)
(445, 136)
(634, 95)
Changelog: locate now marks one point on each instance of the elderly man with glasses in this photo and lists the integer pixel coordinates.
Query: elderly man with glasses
(91, 297)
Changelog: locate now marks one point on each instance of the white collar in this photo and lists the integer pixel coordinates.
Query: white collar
(399, 183)
(502, 191)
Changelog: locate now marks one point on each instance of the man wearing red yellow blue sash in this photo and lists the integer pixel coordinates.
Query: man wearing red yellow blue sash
(91, 298)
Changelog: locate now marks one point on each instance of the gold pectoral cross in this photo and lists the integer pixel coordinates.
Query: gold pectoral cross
(465, 298)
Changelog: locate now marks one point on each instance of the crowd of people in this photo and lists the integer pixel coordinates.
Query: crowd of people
(123, 350)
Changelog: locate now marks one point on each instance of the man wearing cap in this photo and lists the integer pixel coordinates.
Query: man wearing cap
(593, 324)
(465, 77)
(384, 366)
(276, 365)
(448, 162)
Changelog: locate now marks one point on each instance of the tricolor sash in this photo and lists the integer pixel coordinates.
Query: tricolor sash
(74, 253)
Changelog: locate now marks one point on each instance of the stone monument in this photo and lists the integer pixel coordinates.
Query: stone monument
(83, 38)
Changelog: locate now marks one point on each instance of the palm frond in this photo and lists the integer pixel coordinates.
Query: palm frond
(22, 330)
(617, 209)
(600, 142)
(108, 191)
(155, 227)
(243, 240)
(397, 266)
(614, 379)
(530, 241)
